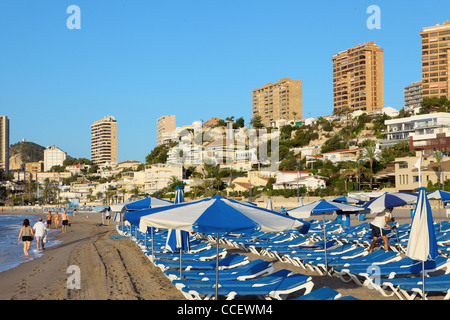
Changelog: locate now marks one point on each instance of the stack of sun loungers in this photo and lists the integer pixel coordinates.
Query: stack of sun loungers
(391, 273)
(238, 276)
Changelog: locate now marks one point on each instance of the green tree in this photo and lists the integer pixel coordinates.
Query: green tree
(239, 123)
(371, 154)
(158, 155)
(256, 122)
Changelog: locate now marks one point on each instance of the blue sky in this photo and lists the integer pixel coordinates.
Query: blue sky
(141, 59)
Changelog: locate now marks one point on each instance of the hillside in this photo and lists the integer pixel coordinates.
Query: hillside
(23, 152)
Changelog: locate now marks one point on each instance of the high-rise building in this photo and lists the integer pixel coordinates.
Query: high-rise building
(104, 141)
(163, 125)
(279, 100)
(413, 97)
(436, 60)
(53, 156)
(358, 78)
(4, 143)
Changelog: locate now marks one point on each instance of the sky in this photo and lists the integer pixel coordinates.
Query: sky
(142, 59)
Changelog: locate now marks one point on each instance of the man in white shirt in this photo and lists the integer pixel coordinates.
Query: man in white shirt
(40, 231)
(378, 224)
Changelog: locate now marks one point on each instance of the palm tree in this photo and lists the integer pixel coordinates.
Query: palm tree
(350, 171)
(370, 153)
(438, 155)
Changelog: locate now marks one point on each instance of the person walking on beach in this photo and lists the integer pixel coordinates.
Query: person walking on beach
(65, 221)
(27, 233)
(378, 225)
(56, 219)
(107, 216)
(49, 218)
(40, 231)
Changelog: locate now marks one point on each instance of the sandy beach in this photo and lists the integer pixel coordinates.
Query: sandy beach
(116, 269)
(109, 268)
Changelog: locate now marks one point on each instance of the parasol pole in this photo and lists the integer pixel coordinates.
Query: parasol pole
(217, 266)
(423, 280)
(325, 242)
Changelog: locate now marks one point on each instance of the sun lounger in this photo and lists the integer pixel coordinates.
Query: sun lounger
(250, 270)
(316, 261)
(370, 275)
(228, 262)
(208, 254)
(380, 256)
(389, 287)
(324, 293)
(260, 281)
(410, 291)
(302, 257)
(275, 290)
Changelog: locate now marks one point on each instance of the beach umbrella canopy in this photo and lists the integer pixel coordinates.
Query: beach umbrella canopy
(215, 215)
(178, 239)
(348, 200)
(179, 198)
(422, 244)
(439, 195)
(390, 200)
(140, 204)
(100, 208)
(269, 205)
(322, 207)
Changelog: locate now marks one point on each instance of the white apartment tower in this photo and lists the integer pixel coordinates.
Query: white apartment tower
(4, 143)
(53, 156)
(104, 141)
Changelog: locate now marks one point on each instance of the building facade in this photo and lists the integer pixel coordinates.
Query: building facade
(436, 60)
(53, 156)
(358, 82)
(4, 143)
(413, 97)
(163, 125)
(279, 100)
(426, 132)
(104, 141)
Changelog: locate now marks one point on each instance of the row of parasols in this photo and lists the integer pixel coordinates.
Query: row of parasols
(219, 215)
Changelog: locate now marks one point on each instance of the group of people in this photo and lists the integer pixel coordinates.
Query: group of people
(39, 230)
(56, 218)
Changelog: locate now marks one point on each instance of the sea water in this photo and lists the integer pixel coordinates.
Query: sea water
(11, 250)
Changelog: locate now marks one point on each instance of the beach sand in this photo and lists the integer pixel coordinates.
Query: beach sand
(116, 269)
(109, 268)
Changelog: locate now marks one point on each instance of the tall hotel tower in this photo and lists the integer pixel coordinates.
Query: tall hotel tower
(4, 143)
(279, 100)
(358, 78)
(436, 61)
(104, 141)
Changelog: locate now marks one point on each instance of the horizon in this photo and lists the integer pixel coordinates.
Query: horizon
(143, 60)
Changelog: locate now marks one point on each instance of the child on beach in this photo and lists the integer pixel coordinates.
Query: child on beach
(27, 233)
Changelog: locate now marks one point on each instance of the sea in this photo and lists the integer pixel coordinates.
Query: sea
(11, 250)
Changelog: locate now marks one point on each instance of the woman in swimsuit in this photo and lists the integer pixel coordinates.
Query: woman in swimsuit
(27, 233)
(56, 219)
